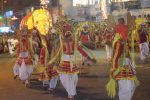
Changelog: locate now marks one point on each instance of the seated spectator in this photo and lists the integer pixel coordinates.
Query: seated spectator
(1, 48)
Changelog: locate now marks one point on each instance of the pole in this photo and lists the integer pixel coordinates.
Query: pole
(2, 6)
(59, 8)
(123, 5)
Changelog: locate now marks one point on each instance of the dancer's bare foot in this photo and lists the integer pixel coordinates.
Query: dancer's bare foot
(15, 77)
(50, 90)
(70, 97)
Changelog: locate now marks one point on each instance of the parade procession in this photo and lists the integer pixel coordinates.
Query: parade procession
(54, 55)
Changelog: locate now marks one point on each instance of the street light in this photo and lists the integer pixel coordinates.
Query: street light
(2, 6)
(3, 9)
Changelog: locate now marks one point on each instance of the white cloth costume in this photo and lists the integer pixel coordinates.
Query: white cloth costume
(126, 87)
(109, 52)
(144, 50)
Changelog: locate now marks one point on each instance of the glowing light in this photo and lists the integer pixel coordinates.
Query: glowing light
(5, 1)
(85, 2)
(44, 2)
(81, 2)
(104, 9)
(6, 29)
(119, 0)
(1, 17)
(14, 18)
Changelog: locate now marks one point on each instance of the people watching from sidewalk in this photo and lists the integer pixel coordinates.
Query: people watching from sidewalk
(1, 48)
(10, 45)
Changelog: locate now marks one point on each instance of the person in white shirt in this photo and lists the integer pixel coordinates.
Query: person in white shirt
(10, 47)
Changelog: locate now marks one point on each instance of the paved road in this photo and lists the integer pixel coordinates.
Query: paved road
(91, 85)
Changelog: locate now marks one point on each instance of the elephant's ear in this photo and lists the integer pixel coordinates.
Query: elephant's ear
(28, 21)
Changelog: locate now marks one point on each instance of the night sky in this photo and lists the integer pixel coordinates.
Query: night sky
(21, 4)
(17, 5)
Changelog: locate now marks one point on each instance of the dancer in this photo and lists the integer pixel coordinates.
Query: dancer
(143, 43)
(85, 40)
(68, 69)
(52, 68)
(122, 71)
(107, 38)
(24, 64)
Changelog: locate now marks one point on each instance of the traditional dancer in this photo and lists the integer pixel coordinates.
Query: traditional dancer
(68, 69)
(122, 29)
(52, 68)
(36, 46)
(85, 40)
(122, 71)
(53, 76)
(36, 51)
(107, 38)
(24, 64)
(47, 71)
(143, 43)
(44, 57)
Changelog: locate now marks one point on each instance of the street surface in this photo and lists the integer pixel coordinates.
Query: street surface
(91, 85)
